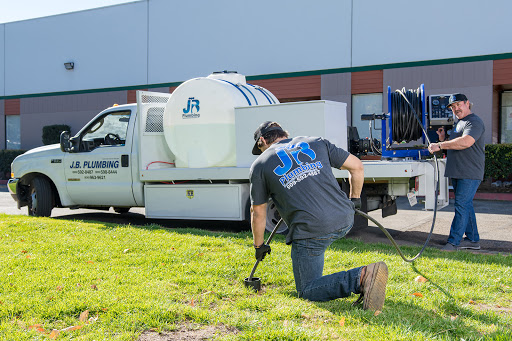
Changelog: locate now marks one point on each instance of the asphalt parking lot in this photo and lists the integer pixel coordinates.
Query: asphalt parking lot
(410, 226)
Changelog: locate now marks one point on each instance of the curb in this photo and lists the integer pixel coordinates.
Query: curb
(489, 196)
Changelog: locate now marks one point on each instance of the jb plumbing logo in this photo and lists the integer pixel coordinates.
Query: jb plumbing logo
(289, 175)
(192, 109)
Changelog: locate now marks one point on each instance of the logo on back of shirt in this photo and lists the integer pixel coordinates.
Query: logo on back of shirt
(290, 156)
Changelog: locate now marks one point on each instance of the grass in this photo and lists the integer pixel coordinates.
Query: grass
(137, 278)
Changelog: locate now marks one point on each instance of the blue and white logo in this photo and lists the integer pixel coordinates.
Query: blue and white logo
(287, 156)
(188, 112)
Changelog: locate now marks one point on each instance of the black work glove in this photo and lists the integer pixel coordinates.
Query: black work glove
(357, 203)
(262, 251)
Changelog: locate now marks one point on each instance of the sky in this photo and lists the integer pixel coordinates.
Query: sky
(16, 10)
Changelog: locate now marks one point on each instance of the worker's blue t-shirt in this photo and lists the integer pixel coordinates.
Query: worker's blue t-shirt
(296, 173)
(467, 163)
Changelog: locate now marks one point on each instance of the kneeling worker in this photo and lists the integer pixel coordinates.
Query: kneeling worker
(296, 173)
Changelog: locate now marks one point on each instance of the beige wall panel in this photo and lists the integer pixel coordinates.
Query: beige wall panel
(337, 87)
(2, 60)
(2, 125)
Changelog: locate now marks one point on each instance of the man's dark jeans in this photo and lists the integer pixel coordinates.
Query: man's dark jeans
(464, 221)
(308, 264)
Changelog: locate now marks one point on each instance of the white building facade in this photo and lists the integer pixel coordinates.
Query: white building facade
(344, 50)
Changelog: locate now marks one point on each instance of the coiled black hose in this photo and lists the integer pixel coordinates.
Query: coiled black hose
(405, 126)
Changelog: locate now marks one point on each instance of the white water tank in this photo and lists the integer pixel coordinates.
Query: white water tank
(199, 118)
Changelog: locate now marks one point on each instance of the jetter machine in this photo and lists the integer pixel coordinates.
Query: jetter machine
(411, 117)
(408, 121)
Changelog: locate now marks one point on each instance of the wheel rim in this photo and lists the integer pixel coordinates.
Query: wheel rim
(33, 198)
(273, 218)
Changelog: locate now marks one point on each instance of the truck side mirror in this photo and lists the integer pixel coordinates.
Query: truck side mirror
(65, 145)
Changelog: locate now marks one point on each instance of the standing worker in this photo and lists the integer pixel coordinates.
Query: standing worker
(465, 167)
(296, 173)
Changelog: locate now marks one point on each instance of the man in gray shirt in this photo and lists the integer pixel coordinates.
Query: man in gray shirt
(465, 167)
(296, 173)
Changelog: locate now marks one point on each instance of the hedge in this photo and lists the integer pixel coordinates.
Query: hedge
(51, 134)
(498, 161)
(6, 157)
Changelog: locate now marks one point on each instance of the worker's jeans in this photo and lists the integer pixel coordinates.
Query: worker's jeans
(464, 221)
(308, 265)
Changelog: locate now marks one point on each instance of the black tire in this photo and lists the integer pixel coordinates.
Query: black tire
(273, 218)
(40, 201)
(121, 210)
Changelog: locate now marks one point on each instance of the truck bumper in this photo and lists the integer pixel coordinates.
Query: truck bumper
(12, 185)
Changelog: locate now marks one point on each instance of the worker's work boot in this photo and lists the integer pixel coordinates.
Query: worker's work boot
(373, 286)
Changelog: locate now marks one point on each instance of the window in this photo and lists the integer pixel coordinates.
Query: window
(108, 130)
(506, 117)
(366, 104)
(114, 123)
(12, 132)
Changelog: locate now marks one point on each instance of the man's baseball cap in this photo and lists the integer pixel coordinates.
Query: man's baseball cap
(264, 128)
(456, 98)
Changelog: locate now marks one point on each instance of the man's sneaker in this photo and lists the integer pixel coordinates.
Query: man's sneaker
(468, 244)
(449, 247)
(373, 286)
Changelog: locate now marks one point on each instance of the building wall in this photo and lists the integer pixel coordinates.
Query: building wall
(2, 125)
(293, 88)
(502, 73)
(366, 82)
(337, 87)
(327, 49)
(155, 42)
(107, 45)
(2, 60)
(194, 38)
(398, 31)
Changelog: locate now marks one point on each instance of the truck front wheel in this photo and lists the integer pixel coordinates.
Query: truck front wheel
(40, 201)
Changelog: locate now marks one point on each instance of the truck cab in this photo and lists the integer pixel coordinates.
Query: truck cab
(94, 168)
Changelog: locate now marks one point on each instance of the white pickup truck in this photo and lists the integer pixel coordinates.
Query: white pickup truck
(187, 155)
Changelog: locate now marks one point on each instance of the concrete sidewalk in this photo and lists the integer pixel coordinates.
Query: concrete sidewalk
(411, 225)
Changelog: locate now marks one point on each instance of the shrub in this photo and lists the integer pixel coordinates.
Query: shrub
(498, 161)
(51, 134)
(6, 158)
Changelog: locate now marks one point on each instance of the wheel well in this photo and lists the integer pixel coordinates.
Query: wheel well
(24, 185)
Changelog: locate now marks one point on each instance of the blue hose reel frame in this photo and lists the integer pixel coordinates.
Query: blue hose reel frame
(413, 153)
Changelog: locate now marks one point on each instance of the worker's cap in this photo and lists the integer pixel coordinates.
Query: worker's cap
(264, 128)
(456, 98)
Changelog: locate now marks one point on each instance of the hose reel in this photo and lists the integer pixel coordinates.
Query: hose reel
(406, 122)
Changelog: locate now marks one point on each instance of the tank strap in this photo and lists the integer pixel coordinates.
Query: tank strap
(260, 89)
(243, 93)
(255, 100)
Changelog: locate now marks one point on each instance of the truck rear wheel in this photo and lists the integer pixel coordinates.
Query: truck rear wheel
(40, 201)
(273, 218)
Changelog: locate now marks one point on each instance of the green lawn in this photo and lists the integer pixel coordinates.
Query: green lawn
(132, 279)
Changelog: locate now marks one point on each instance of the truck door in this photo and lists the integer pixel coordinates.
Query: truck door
(98, 169)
